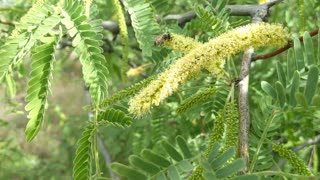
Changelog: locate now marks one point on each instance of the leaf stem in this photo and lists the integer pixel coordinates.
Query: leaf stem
(283, 174)
(263, 137)
(95, 145)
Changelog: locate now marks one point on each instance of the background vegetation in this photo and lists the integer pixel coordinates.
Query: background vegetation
(283, 97)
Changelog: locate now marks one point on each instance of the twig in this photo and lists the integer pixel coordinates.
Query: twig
(309, 142)
(282, 49)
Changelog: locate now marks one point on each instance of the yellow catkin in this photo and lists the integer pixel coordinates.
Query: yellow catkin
(185, 45)
(298, 165)
(180, 43)
(229, 43)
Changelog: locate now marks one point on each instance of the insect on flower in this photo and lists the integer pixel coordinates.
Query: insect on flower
(160, 39)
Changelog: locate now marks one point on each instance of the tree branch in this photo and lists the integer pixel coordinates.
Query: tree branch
(253, 10)
(258, 14)
(282, 49)
(244, 115)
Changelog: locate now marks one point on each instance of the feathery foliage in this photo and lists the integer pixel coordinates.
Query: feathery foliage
(87, 40)
(82, 162)
(144, 24)
(39, 21)
(130, 91)
(114, 117)
(39, 85)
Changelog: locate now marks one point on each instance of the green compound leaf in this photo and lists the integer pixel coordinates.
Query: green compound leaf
(114, 117)
(87, 38)
(82, 162)
(38, 22)
(38, 87)
(143, 23)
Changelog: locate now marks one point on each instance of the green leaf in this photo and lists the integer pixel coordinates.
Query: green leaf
(209, 176)
(183, 147)
(308, 49)
(216, 163)
(11, 85)
(87, 39)
(38, 87)
(291, 64)
(294, 87)
(173, 173)
(281, 74)
(312, 83)
(127, 171)
(316, 100)
(185, 166)
(155, 158)
(173, 153)
(161, 176)
(301, 99)
(144, 24)
(214, 152)
(143, 165)
(266, 87)
(230, 169)
(281, 93)
(298, 54)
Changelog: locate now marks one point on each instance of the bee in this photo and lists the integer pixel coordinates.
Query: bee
(160, 39)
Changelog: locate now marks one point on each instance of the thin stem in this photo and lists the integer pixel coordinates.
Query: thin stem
(283, 174)
(282, 49)
(263, 137)
(95, 145)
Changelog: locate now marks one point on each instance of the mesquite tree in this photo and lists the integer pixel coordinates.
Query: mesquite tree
(172, 92)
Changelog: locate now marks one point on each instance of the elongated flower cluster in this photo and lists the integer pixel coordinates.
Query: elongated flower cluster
(178, 42)
(297, 163)
(204, 56)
